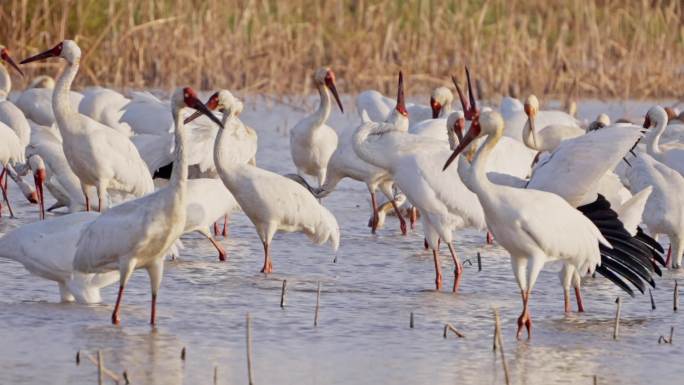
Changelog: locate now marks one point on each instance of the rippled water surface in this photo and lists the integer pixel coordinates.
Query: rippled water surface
(363, 336)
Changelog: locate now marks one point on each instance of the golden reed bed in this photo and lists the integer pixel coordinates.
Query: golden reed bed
(559, 48)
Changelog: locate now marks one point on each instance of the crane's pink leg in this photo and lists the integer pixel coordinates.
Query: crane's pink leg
(566, 301)
(87, 200)
(413, 217)
(580, 302)
(458, 267)
(219, 248)
(115, 315)
(153, 313)
(225, 225)
(402, 221)
(4, 192)
(38, 180)
(669, 255)
(525, 318)
(268, 265)
(374, 225)
(4, 170)
(438, 270)
(216, 229)
(490, 238)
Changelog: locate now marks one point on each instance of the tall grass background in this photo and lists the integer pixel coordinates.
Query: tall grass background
(578, 48)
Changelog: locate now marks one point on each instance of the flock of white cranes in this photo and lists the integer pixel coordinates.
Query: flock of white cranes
(545, 188)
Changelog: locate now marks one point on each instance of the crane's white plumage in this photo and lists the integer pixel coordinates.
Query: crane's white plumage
(208, 200)
(105, 106)
(664, 212)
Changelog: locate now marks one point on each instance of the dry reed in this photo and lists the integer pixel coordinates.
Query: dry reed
(606, 48)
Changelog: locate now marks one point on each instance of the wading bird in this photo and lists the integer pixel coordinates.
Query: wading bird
(99, 156)
(138, 233)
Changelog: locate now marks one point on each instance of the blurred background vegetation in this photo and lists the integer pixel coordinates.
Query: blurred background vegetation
(558, 48)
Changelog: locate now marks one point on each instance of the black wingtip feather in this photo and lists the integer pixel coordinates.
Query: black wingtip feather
(630, 261)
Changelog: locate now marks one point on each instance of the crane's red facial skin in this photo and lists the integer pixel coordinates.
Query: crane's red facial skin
(436, 108)
(212, 104)
(4, 55)
(52, 52)
(191, 100)
(330, 83)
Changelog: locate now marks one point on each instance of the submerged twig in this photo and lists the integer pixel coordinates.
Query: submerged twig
(616, 326)
(498, 341)
(318, 303)
(282, 294)
(250, 373)
(451, 327)
(676, 296)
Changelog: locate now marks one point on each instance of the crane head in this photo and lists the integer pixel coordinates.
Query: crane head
(191, 100)
(55, 51)
(326, 76)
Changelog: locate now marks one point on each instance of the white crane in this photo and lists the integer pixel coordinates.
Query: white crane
(535, 227)
(579, 180)
(664, 212)
(413, 161)
(138, 233)
(312, 142)
(345, 163)
(271, 201)
(515, 118)
(101, 157)
(47, 249)
(671, 155)
(549, 137)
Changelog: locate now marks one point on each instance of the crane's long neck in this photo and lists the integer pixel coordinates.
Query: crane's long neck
(322, 114)
(446, 110)
(653, 146)
(478, 181)
(61, 100)
(5, 83)
(224, 165)
(371, 149)
(528, 135)
(179, 175)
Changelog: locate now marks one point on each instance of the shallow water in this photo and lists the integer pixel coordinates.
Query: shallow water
(363, 336)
